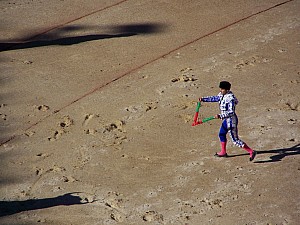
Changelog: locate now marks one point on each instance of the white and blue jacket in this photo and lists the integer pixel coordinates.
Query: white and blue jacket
(227, 104)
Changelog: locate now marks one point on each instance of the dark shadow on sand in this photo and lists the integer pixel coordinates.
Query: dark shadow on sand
(12, 207)
(58, 36)
(278, 154)
(61, 41)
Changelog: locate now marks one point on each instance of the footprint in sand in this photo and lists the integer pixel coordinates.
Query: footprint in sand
(3, 116)
(67, 122)
(90, 131)
(251, 62)
(117, 216)
(42, 155)
(185, 79)
(115, 203)
(185, 76)
(212, 203)
(113, 134)
(114, 200)
(63, 126)
(282, 50)
(152, 216)
(293, 106)
(68, 179)
(139, 110)
(88, 118)
(292, 121)
(290, 105)
(27, 62)
(42, 180)
(56, 169)
(42, 108)
(295, 81)
(29, 133)
(57, 134)
(117, 125)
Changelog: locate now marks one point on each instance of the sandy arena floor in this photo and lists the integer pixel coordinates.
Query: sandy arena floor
(97, 99)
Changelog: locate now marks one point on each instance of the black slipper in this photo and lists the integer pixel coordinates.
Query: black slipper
(225, 155)
(253, 155)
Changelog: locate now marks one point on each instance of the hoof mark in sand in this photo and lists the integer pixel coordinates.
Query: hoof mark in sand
(113, 134)
(251, 62)
(57, 134)
(185, 76)
(27, 62)
(56, 169)
(69, 179)
(282, 50)
(3, 116)
(117, 216)
(43, 108)
(114, 200)
(151, 216)
(66, 123)
(149, 106)
(295, 81)
(117, 125)
(293, 106)
(42, 155)
(88, 118)
(212, 204)
(91, 131)
(29, 133)
(38, 171)
(142, 108)
(292, 121)
(289, 105)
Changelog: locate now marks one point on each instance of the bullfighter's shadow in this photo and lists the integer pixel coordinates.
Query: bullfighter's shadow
(12, 207)
(278, 154)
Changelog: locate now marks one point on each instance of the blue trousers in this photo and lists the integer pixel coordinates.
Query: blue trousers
(229, 125)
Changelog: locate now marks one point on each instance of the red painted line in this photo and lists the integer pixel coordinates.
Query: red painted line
(8, 140)
(97, 88)
(168, 53)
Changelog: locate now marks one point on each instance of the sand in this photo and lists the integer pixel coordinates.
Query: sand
(97, 101)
